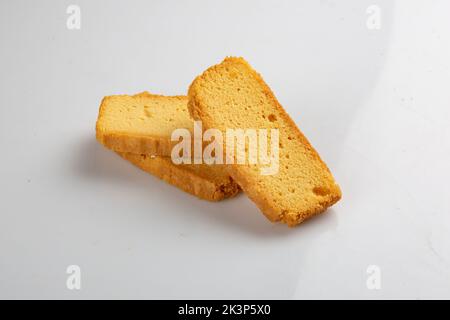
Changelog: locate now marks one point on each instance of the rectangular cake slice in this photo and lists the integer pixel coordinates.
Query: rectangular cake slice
(231, 95)
(141, 123)
(139, 127)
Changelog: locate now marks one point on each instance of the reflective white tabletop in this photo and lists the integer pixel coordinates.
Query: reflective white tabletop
(368, 85)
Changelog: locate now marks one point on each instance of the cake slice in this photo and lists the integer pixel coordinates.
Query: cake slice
(140, 126)
(232, 95)
(206, 182)
(142, 123)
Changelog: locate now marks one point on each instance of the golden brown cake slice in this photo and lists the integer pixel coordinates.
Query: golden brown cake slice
(206, 182)
(232, 95)
(141, 123)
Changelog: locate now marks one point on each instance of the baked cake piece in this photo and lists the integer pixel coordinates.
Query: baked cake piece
(232, 95)
(140, 126)
(141, 123)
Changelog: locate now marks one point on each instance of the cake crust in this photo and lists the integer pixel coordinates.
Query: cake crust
(194, 179)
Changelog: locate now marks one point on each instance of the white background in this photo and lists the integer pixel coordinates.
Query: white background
(374, 103)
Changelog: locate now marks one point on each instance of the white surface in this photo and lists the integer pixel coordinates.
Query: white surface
(375, 103)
